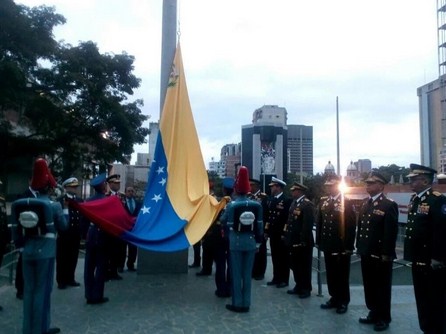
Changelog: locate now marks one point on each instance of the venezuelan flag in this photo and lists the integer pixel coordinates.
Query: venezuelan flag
(177, 209)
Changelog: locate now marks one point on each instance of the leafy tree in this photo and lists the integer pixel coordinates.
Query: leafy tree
(71, 101)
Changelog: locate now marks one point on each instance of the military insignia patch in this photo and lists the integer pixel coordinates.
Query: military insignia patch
(378, 212)
(423, 209)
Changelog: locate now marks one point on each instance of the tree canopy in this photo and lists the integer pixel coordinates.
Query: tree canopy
(70, 103)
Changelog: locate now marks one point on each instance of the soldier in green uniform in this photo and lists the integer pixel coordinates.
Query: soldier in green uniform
(425, 247)
(375, 243)
(335, 236)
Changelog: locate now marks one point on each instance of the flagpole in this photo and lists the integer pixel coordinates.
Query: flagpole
(150, 262)
(168, 45)
(337, 136)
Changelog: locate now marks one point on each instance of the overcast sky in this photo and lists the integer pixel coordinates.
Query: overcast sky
(242, 54)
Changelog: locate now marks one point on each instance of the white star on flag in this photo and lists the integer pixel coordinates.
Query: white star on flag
(157, 198)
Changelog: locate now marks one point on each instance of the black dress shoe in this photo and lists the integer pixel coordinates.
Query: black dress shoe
(233, 308)
(244, 309)
(281, 285)
(258, 278)
(292, 292)
(271, 283)
(304, 295)
(203, 273)
(19, 295)
(380, 326)
(341, 309)
(99, 301)
(53, 330)
(1, 308)
(328, 305)
(367, 320)
(74, 284)
(194, 265)
(62, 286)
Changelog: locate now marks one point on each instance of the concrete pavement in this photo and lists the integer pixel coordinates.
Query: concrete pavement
(185, 303)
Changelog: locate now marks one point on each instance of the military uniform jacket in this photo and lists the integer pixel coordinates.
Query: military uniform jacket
(426, 228)
(243, 241)
(377, 227)
(74, 216)
(299, 228)
(335, 225)
(276, 215)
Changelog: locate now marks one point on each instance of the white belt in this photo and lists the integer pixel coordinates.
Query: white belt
(49, 235)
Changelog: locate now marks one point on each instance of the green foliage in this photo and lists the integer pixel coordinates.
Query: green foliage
(71, 101)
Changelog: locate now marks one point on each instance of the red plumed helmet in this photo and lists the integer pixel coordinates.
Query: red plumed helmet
(42, 176)
(242, 185)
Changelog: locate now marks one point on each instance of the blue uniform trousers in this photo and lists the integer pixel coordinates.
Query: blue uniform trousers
(38, 282)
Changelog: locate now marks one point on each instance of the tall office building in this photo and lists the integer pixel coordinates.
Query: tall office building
(300, 149)
(432, 104)
(264, 149)
(231, 155)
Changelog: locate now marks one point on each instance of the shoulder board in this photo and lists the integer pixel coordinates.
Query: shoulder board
(323, 198)
(436, 193)
(306, 200)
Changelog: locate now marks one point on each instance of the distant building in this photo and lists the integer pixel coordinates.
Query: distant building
(363, 166)
(264, 143)
(231, 155)
(300, 149)
(218, 167)
(329, 169)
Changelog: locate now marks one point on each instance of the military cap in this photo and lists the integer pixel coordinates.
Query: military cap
(114, 178)
(276, 181)
(298, 186)
(254, 181)
(70, 182)
(375, 177)
(420, 170)
(228, 182)
(332, 180)
(98, 180)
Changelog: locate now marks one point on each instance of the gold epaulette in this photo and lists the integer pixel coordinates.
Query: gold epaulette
(436, 193)
(323, 198)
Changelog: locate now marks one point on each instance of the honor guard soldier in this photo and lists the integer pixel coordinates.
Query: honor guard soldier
(35, 223)
(116, 248)
(68, 242)
(95, 251)
(376, 240)
(299, 239)
(335, 236)
(424, 246)
(242, 219)
(276, 216)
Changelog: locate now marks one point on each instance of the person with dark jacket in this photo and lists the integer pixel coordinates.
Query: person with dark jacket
(425, 247)
(95, 250)
(300, 241)
(335, 236)
(276, 216)
(68, 242)
(375, 243)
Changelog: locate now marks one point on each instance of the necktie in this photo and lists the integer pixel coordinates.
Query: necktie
(131, 205)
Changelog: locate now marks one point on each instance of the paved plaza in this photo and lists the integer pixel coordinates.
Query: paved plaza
(185, 303)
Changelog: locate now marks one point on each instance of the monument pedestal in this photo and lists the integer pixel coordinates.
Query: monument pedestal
(150, 262)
